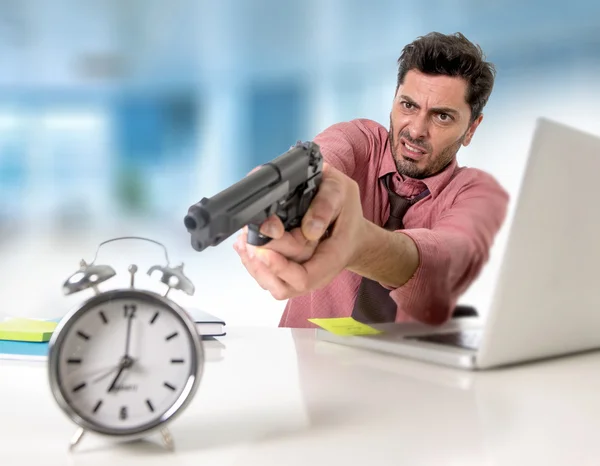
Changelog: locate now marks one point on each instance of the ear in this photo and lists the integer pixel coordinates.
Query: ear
(471, 131)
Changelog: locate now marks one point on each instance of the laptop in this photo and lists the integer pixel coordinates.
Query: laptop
(546, 301)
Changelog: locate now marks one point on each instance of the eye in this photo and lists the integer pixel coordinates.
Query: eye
(444, 117)
(407, 105)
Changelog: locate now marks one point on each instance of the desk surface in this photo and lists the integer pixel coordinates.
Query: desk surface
(280, 397)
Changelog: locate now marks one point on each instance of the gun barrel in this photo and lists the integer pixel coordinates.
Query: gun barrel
(213, 219)
(202, 213)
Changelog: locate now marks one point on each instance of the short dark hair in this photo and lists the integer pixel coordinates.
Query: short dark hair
(451, 55)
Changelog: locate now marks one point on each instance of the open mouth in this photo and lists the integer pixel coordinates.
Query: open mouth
(411, 151)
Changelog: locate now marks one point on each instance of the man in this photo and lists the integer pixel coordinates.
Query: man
(347, 259)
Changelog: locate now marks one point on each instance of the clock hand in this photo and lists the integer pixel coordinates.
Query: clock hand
(128, 337)
(125, 363)
(114, 382)
(105, 374)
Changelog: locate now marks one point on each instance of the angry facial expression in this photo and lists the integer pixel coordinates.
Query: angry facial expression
(429, 122)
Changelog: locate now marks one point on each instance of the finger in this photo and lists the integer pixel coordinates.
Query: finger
(262, 275)
(272, 227)
(292, 245)
(330, 258)
(326, 205)
(242, 244)
(326, 263)
(265, 278)
(288, 271)
(251, 267)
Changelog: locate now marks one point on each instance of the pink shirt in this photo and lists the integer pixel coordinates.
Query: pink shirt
(453, 227)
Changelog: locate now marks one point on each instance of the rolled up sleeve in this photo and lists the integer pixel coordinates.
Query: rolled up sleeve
(453, 252)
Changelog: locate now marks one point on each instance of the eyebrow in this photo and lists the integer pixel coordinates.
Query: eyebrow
(436, 109)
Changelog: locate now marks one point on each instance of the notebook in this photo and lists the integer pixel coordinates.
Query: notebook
(207, 324)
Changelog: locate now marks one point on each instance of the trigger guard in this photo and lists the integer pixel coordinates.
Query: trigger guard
(255, 238)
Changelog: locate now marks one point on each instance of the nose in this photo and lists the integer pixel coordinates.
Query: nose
(418, 128)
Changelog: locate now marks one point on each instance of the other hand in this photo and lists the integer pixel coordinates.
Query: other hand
(307, 258)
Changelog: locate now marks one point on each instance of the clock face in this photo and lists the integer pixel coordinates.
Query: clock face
(125, 362)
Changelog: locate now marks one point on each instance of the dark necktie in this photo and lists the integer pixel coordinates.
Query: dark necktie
(373, 302)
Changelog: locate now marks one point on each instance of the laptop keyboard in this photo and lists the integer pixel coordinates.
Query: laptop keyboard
(468, 339)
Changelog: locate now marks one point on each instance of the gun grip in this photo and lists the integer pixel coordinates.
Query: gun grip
(255, 238)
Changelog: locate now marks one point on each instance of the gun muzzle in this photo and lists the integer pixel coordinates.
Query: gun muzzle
(196, 218)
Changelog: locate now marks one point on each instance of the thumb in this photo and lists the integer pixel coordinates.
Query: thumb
(326, 205)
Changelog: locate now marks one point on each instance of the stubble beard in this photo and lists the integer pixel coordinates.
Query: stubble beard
(409, 168)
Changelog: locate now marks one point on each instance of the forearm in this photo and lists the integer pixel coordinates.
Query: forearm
(428, 268)
(425, 271)
(389, 257)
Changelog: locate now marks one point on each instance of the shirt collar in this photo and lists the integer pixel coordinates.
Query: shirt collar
(435, 183)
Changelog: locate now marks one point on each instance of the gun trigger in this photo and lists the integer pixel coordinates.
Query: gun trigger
(255, 237)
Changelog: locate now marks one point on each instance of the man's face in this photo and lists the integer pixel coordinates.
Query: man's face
(429, 122)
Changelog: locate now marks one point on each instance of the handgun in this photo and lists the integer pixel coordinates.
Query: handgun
(285, 186)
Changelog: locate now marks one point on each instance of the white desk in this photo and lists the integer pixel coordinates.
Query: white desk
(278, 397)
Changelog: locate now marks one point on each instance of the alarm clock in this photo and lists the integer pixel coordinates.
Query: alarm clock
(127, 361)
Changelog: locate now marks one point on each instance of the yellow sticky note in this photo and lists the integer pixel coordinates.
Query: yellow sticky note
(345, 326)
(21, 329)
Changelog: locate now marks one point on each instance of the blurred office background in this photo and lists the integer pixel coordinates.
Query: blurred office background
(116, 115)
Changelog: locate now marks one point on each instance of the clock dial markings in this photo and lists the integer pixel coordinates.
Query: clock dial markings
(97, 407)
(126, 397)
(169, 386)
(129, 310)
(79, 387)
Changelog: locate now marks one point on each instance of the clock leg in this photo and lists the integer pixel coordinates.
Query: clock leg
(76, 438)
(167, 438)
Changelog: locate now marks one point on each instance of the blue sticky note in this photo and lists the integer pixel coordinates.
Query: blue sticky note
(23, 350)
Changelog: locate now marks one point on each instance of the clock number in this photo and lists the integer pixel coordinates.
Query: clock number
(123, 413)
(129, 310)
